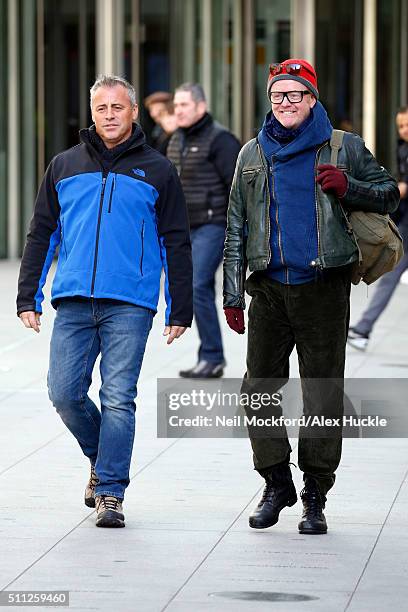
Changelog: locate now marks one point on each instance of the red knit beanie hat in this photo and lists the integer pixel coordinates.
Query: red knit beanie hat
(295, 70)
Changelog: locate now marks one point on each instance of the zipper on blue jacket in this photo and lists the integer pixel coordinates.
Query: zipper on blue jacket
(97, 235)
(111, 193)
(141, 256)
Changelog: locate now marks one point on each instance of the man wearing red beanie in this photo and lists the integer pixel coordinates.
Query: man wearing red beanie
(285, 221)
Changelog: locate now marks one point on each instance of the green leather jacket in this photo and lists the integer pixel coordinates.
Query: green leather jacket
(370, 188)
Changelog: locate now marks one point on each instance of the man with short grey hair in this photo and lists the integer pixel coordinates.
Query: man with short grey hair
(116, 209)
(204, 154)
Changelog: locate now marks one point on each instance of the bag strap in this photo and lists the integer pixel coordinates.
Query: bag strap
(336, 142)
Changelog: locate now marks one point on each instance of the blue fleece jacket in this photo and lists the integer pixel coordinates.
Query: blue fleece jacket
(293, 238)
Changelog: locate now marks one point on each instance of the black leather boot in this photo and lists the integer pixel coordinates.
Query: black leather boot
(204, 369)
(279, 492)
(313, 520)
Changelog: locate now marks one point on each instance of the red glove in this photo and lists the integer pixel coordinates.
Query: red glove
(235, 319)
(332, 179)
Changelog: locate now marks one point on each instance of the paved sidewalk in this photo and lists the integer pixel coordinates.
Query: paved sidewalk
(187, 545)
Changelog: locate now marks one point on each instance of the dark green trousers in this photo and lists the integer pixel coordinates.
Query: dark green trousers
(314, 317)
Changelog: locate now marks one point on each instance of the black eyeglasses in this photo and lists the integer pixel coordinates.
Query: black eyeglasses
(294, 97)
(275, 69)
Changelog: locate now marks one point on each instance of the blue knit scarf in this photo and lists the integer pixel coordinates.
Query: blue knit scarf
(291, 156)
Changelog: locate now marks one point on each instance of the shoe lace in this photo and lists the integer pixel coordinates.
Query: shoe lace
(265, 493)
(109, 503)
(313, 501)
(93, 480)
(274, 483)
(268, 491)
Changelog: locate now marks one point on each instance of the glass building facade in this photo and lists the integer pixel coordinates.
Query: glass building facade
(51, 51)
(3, 129)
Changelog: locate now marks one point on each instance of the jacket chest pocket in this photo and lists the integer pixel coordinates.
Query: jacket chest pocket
(63, 246)
(255, 191)
(249, 175)
(112, 189)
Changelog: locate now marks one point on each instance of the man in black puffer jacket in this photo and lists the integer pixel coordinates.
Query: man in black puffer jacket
(204, 154)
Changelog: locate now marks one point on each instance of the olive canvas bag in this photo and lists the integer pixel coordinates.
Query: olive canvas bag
(377, 237)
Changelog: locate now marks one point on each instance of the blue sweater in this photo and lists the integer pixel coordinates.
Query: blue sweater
(293, 238)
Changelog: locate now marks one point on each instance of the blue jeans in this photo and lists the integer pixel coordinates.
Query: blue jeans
(207, 242)
(384, 290)
(82, 330)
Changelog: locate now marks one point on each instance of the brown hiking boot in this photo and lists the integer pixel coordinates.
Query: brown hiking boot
(109, 511)
(90, 489)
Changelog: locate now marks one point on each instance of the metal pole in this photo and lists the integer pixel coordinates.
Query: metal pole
(135, 34)
(109, 36)
(404, 54)
(40, 91)
(369, 73)
(302, 40)
(248, 90)
(189, 44)
(83, 65)
(13, 132)
(237, 69)
(206, 47)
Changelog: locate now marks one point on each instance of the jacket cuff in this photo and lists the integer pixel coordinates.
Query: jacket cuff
(354, 192)
(234, 302)
(179, 323)
(344, 196)
(26, 308)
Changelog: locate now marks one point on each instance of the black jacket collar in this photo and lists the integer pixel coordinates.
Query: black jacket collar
(95, 142)
(202, 123)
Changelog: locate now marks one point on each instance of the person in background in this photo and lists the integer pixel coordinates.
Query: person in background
(359, 333)
(168, 124)
(346, 125)
(157, 104)
(204, 153)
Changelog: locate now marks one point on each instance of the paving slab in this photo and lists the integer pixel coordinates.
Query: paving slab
(187, 545)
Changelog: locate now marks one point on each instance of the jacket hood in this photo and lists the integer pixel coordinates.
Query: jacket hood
(318, 130)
